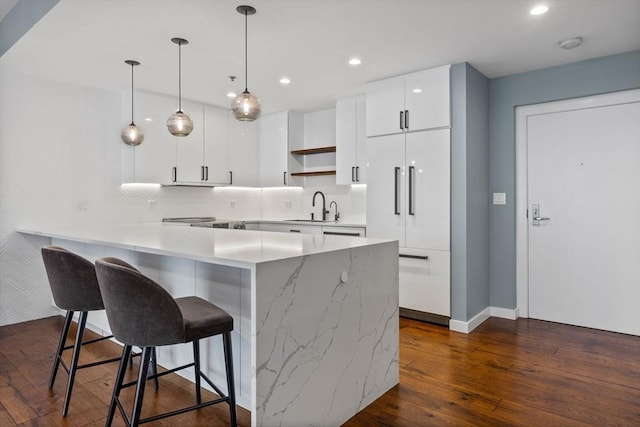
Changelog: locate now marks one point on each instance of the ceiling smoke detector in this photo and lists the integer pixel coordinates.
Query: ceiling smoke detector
(571, 43)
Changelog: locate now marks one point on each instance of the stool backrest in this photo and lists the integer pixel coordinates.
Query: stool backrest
(72, 280)
(140, 311)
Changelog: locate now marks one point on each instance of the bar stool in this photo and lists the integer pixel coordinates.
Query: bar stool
(75, 288)
(142, 313)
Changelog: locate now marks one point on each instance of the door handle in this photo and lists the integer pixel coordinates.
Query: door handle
(406, 119)
(206, 173)
(541, 218)
(353, 174)
(284, 178)
(230, 177)
(411, 189)
(357, 173)
(174, 174)
(396, 202)
(401, 120)
(201, 173)
(425, 258)
(535, 211)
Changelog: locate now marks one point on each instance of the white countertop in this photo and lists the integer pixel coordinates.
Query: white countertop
(238, 248)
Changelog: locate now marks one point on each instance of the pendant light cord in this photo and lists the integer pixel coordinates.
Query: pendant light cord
(180, 77)
(132, 95)
(246, 78)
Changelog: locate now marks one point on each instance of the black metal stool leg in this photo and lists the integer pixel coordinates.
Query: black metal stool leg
(61, 343)
(117, 386)
(142, 381)
(196, 367)
(231, 388)
(82, 321)
(154, 368)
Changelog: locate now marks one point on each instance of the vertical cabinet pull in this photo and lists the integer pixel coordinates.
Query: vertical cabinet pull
(353, 175)
(406, 119)
(230, 177)
(357, 173)
(174, 174)
(396, 196)
(412, 178)
(401, 119)
(284, 178)
(201, 173)
(206, 173)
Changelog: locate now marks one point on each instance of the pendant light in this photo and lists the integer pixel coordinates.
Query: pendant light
(246, 107)
(132, 134)
(179, 124)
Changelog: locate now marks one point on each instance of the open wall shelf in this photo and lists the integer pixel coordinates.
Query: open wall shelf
(318, 150)
(315, 173)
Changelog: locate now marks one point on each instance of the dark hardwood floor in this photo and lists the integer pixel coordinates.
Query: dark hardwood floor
(523, 372)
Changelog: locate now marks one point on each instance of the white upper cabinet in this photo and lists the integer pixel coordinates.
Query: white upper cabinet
(243, 153)
(155, 158)
(351, 148)
(216, 139)
(273, 139)
(190, 148)
(416, 101)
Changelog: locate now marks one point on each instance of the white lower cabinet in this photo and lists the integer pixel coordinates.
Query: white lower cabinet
(291, 228)
(329, 230)
(424, 281)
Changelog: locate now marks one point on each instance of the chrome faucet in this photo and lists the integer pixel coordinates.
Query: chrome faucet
(337, 214)
(325, 211)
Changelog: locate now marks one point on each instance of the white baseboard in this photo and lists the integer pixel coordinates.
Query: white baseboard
(475, 321)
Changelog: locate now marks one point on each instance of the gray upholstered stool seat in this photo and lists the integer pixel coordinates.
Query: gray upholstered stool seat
(142, 313)
(74, 287)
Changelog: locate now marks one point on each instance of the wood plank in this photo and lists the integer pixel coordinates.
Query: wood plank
(314, 173)
(316, 150)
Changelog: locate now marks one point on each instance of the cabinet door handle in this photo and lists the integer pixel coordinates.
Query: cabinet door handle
(411, 188)
(230, 177)
(201, 173)
(406, 119)
(294, 231)
(401, 120)
(337, 233)
(414, 256)
(353, 170)
(284, 178)
(206, 173)
(357, 173)
(396, 202)
(174, 174)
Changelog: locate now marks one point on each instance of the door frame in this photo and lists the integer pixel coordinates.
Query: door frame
(522, 225)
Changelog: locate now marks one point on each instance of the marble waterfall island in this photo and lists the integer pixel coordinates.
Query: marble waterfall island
(315, 317)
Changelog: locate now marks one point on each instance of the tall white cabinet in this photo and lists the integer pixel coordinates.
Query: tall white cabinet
(408, 185)
(351, 141)
(278, 133)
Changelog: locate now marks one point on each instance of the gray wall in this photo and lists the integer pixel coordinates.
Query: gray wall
(469, 192)
(20, 19)
(601, 75)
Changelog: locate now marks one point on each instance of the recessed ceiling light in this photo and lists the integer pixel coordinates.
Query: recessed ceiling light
(148, 119)
(355, 61)
(571, 43)
(417, 90)
(539, 10)
(285, 81)
(231, 94)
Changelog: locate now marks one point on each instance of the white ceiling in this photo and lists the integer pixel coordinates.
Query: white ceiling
(310, 41)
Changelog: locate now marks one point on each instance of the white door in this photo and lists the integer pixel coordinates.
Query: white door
(273, 135)
(427, 99)
(216, 157)
(346, 134)
(385, 101)
(190, 148)
(584, 174)
(243, 152)
(386, 187)
(428, 189)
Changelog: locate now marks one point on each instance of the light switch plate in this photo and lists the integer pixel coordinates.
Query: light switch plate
(499, 198)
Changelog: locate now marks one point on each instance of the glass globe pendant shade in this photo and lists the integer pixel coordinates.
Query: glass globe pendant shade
(246, 107)
(179, 124)
(132, 135)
